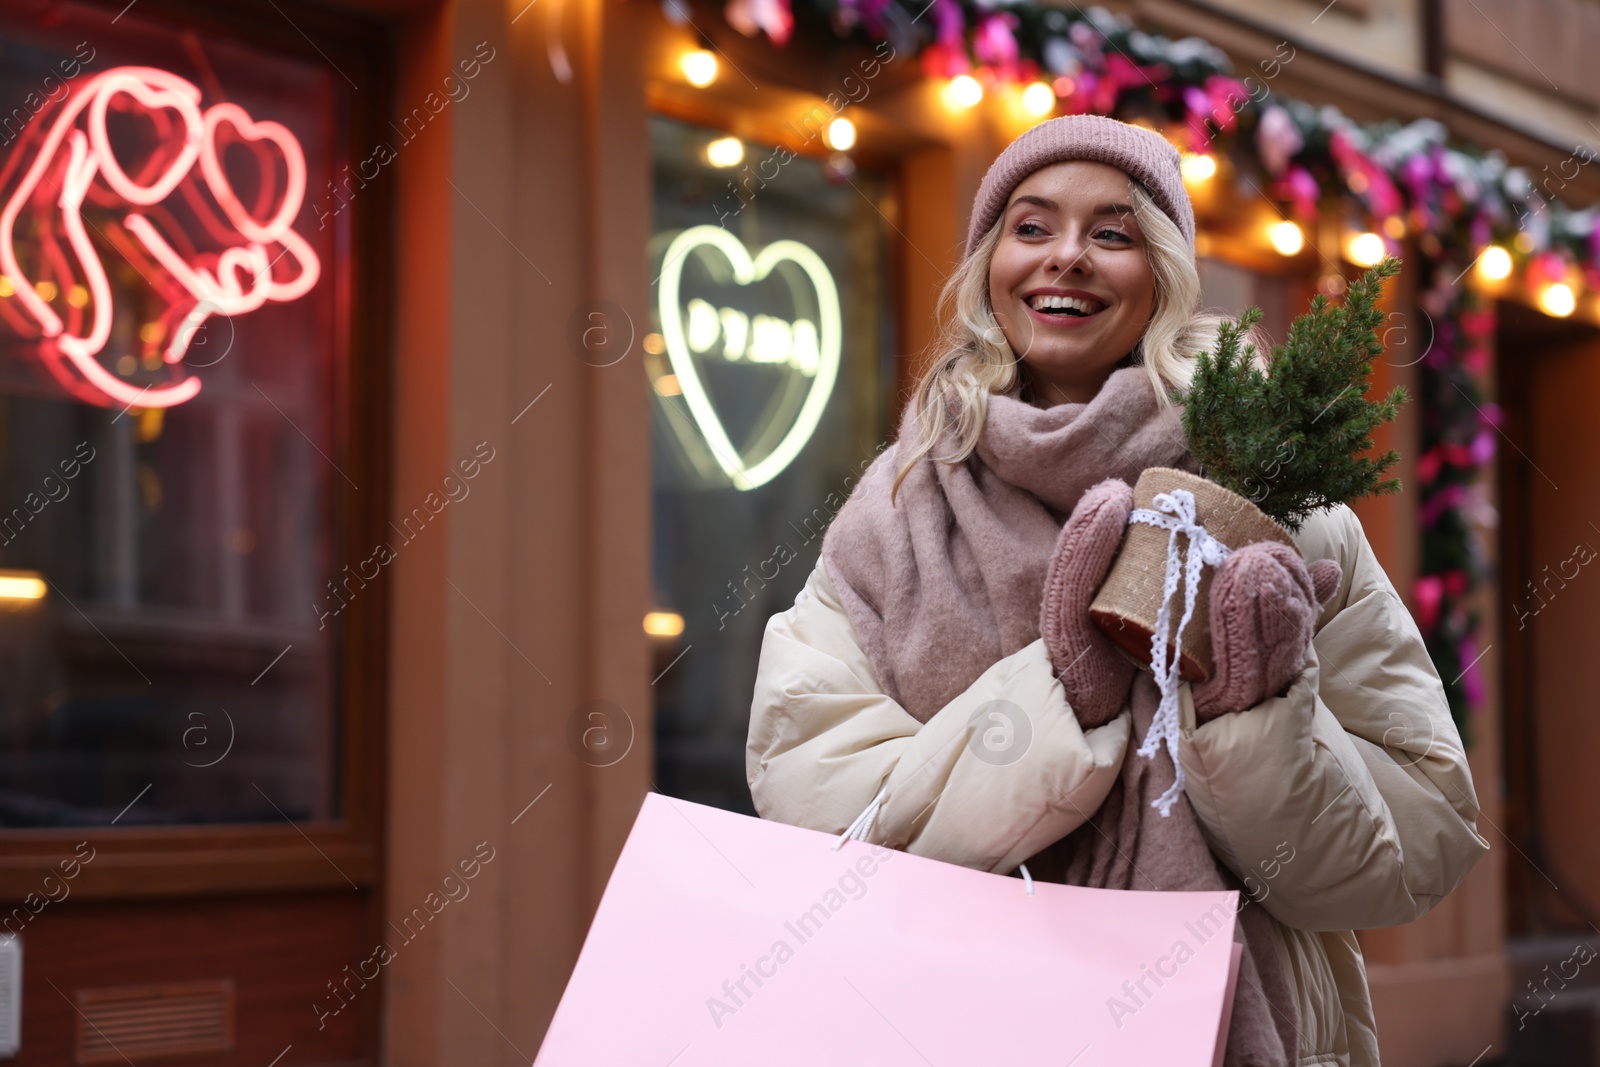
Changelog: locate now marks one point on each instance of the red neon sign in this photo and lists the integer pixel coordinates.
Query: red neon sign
(257, 256)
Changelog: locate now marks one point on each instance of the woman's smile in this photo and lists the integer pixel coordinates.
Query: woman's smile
(1057, 308)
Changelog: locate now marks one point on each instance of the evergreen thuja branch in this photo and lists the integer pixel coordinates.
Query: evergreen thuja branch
(1297, 438)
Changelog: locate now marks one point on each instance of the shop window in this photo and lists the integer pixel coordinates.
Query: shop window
(769, 356)
(174, 482)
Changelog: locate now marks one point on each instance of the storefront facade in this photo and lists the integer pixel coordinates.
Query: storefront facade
(440, 439)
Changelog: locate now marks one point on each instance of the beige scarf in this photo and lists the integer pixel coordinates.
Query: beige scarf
(949, 579)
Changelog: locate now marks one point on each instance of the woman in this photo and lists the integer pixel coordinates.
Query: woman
(937, 685)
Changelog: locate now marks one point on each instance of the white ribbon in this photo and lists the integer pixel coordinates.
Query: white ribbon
(1174, 511)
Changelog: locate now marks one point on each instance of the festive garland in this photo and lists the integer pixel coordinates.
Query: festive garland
(1455, 198)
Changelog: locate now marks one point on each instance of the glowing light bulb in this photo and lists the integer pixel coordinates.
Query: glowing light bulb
(1038, 99)
(663, 624)
(962, 92)
(725, 152)
(1557, 300)
(1495, 263)
(22, 585)
(1286, 237)
(1365, 249)
(841, 135)
(1197, 167)
(699, 66)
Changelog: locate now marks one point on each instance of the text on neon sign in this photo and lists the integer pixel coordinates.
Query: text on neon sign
(762, 339)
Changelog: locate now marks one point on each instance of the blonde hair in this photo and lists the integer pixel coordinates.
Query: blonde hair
(973, 359)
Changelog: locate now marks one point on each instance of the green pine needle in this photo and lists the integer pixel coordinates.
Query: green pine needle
(1293, 441)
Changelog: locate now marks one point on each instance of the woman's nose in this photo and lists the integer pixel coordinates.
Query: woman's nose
(1069, 255)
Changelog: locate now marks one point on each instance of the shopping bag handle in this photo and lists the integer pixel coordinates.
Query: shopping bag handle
(862, 826)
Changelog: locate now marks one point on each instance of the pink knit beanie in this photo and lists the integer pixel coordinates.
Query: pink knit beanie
(1138, 152)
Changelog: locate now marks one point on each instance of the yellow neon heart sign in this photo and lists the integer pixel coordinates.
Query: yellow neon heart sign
(748, 271)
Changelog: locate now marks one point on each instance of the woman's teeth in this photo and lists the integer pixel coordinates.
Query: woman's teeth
(1064, 305)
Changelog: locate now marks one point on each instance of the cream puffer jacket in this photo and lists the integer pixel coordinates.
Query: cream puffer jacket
(1344, 804)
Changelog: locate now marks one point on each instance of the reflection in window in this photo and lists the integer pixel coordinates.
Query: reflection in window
(769, 360)
(167, 442)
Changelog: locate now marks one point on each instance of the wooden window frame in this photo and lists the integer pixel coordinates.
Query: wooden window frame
(342, 853)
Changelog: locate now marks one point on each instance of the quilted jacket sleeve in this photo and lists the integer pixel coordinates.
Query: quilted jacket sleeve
(1347, 802)
(990, 779)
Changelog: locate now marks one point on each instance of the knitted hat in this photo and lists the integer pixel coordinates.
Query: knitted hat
(1138, 152)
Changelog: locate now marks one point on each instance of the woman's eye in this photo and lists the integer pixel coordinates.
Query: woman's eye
(1028, 229)
(1114, 233)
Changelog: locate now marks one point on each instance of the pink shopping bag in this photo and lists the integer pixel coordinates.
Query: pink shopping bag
(723, 939)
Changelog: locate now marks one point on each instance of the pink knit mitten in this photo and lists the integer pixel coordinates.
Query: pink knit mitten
(1092, 671)
(1264, 604)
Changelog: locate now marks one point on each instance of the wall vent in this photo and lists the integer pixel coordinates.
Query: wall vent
(122, 1023)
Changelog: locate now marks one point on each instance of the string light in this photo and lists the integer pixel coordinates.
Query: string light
(1365, 249)
(962, 92)
(1038, 99)
(1286, 237)
(725, 152)
(1197, 167)
(699, 66)
(841, 135)
(1495, 263)
(1557, 299)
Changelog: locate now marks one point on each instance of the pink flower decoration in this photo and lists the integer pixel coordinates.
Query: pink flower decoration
(1304, 192)
(1197, 105)
(948, 23)
(1381, 192)
(1483, 447)
(1548, 266)
(772, 17)
(1427, 592)
(1228, 95)
(995, 44)
(942, 60)
(1428, 465)
(1277, 139)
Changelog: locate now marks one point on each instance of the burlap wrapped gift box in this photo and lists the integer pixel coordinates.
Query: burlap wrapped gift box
(1128, 603)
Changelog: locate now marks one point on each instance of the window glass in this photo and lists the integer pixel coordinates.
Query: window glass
(769, 358)
(171, 344)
